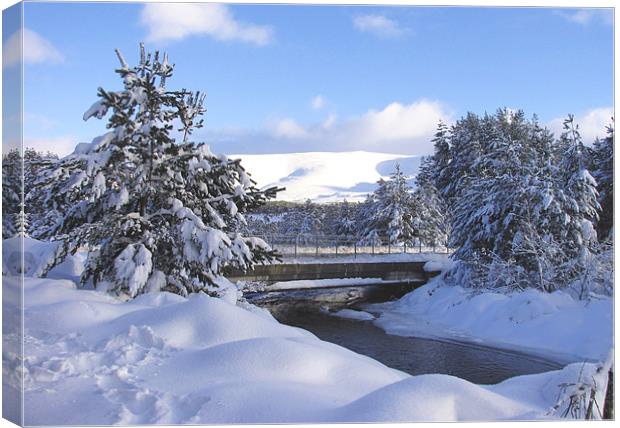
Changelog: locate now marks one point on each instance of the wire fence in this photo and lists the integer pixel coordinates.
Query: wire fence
(326, 245)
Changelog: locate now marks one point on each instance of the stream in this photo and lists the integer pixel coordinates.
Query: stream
(413, 355)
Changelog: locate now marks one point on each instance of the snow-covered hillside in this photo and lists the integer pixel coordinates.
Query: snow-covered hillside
(325, 176)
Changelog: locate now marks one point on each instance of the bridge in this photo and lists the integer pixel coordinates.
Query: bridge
(377, 281)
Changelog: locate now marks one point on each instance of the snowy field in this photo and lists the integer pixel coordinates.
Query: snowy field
(313, 175)
(164, 359)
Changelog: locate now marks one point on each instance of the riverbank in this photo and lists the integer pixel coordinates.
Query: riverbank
(552, 325)
(92, 359)
(165, 359)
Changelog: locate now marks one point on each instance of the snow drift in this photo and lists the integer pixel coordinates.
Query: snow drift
(549, 324)
(165, 359)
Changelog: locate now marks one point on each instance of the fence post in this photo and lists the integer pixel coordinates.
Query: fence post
(420, 246)
(316, 241)
(608, 406)
(355, 250)
(373, 247)
(296, 245)
(405, 247)
(389, 247)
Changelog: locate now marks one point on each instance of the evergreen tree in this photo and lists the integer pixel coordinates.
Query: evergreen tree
(311, 224)
(364, 217)
(521, 212)
(603, 172)
(580, 200)
(430, 221)
(391, 210)
(346, 227)
(330, 218)
(37, 217)
(156, 214)
(441, 157)
(458, 169)
(12, 192)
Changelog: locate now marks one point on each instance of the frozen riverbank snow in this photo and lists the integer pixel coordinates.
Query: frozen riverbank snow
(161, 358)
(91, 359)
(552, 324)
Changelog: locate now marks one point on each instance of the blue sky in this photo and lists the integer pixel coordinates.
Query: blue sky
(325, 78)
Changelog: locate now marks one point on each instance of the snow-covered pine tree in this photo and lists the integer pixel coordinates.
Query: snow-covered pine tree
(580, 202)
(391, 210)
(346, 227)
(330, 218)
(37, 217)
(429, 212)
(505, 220)
(458, 168)
(12, 189)
(155, 214)
(442, 157)
(603, 172)
(484, 204)
(364, 216)
(311, 223)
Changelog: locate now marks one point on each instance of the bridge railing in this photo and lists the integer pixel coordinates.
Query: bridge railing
(306, 245)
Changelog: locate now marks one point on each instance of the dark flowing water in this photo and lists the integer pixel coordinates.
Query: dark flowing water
(477, 364)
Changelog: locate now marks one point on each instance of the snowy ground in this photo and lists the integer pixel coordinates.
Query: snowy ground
(161, 358)
(552, 325)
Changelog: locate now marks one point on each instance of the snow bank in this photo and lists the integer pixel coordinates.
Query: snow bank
(165, 359)
(36, 256)
(91, 359)
(161, 358)
(548, 324)
(437, 398)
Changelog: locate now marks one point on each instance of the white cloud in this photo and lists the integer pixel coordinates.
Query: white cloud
(176, 21)
(36, 49)
(399, 122)
(588, 16)
(62, 146)
(378, 25)
(396, 128)
(318, 102)
(288, 128)
(592, 124)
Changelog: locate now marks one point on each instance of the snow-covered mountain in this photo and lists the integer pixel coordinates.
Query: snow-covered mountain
(326, 176)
